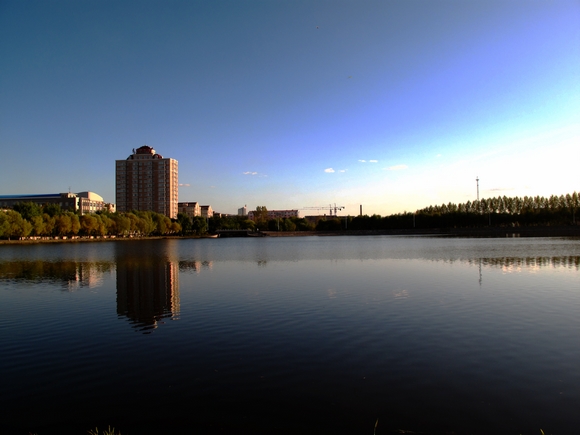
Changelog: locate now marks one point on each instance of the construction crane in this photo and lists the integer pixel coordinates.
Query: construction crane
(332, 209)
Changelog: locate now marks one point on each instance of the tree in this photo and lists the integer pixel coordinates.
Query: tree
(88, 224)
(37, 225)
(122, 224)
(145, 223)
(107, 225)
(52, 209)
(14, 225)
(133, 223)
(162, 223)
(329, 225)
(247, 224)
(48, 224)
(199, 225)
(287, 225)
(175, 227)
(28, 210)
(62, 225)
(261, 216)
(75, 223)
(185, 223)
(4, 225)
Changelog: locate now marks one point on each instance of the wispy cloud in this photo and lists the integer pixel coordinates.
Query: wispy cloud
(368, 161)
(254, 174)
(185, 185)
(396, 168)
(373, 161)
(332, 170)
(362, 161)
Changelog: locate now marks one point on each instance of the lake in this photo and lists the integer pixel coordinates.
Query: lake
(292, 335)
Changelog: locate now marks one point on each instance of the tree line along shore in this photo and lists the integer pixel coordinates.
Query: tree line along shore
(527, 215)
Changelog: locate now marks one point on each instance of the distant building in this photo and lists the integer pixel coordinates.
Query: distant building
(147, 181)
(276, 214)
(243, 211)
(190, 209)
(82, 202)
(90, 202)
(206, 211)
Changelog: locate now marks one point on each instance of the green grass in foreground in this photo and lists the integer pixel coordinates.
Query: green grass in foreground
(109, 431)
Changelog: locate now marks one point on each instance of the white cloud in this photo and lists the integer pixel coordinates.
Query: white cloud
(368, 161)
(373, 161)
(250, 173)
(397, 168)
(362, 161)
(329, 170)
(185, 185)
(342, 170)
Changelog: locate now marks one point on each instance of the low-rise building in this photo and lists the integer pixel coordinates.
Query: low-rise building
(190, 209)
(82, 202)
(276, 214)
(206, 211)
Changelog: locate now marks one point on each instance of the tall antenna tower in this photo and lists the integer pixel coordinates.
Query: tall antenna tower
(477, 180)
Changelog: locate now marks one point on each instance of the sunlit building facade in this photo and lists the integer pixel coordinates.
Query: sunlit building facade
(81, 203)
(206, 211)
(147, 181)
(190, 209)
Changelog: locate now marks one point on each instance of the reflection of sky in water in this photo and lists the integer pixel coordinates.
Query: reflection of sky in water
(475, 327)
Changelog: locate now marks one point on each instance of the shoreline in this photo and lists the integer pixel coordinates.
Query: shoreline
(499, 232)
(495, 232)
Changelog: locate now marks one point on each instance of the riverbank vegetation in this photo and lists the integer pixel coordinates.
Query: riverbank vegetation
(492, 212)
(32, 220)
(29, 220)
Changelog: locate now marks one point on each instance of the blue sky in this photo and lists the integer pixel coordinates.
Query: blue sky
(395, 105)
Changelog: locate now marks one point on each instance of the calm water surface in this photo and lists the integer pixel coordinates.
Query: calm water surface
(292, 335)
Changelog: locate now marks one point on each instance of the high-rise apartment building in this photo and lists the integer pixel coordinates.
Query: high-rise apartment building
(147, 181)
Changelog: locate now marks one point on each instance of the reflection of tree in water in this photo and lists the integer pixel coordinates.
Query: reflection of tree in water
(515, 263)
(147, 291)
(70, 275)
(194, 265)
(570, 262)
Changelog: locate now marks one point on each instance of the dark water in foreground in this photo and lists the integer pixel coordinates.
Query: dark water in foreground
(291, 335)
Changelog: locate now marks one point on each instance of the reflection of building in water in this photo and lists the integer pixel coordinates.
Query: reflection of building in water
(148, 291)
(85, 275)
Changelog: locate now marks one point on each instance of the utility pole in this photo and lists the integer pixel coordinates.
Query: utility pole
(477, 179)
